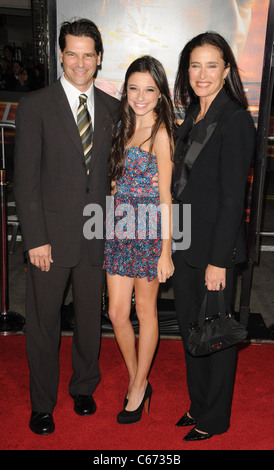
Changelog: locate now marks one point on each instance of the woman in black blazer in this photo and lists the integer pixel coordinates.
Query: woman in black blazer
(212, 159)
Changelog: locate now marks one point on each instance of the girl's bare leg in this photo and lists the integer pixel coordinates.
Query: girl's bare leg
(120, 294)
(146, 308)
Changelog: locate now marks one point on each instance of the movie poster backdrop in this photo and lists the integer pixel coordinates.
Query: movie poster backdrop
(161, 28)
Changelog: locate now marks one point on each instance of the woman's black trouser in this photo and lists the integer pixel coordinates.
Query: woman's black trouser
(210, 378)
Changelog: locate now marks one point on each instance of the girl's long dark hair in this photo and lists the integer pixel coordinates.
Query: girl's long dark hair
(184, 94)
(163, 111)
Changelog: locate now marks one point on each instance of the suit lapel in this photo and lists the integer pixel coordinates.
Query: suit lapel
(66, 117)
(196, 147)
(198, 136)
(63, 110)
(100, 118)
(183, 168)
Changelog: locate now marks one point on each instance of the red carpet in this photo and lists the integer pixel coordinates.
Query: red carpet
(252, 412)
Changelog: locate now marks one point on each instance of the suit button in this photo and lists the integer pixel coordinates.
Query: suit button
(87, 190)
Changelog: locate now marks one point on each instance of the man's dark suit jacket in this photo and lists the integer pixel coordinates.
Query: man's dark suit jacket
(51, 184)
(212, 176)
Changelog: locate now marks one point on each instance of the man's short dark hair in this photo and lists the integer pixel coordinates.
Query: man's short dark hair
(81, 27)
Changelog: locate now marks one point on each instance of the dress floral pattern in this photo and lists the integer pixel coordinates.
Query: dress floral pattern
(133, 226)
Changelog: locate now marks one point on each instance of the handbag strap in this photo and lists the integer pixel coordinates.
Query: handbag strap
(221, 307)
(221, 302)
(202, 313)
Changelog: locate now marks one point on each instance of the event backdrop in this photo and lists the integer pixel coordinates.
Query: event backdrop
(131, 28)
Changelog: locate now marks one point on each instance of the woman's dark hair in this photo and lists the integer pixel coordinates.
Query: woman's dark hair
(81, 27)
(163, 111)
(184, 94)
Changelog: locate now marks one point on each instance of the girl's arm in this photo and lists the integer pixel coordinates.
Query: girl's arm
(164, 162)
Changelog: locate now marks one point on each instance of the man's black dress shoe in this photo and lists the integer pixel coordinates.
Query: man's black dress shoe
(84, 405)
(194, 435)
(186, 421)
(41, 423)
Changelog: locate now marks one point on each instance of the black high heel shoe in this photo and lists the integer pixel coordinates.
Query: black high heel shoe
(195, 435)
(186, 421)
(130, 417)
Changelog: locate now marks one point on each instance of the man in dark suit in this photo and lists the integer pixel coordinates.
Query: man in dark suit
(56, 176)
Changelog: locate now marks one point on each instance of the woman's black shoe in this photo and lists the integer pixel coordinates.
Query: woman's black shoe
(194, 435)
(186, 421)
(130, 417)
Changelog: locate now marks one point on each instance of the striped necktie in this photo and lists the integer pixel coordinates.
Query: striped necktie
(85, 129)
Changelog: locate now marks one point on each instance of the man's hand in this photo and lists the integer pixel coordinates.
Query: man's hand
(41, 257)
(113, 188)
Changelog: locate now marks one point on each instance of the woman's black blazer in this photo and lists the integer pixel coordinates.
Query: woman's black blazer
(212, 176)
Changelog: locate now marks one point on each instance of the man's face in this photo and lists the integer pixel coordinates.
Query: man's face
(80, 61)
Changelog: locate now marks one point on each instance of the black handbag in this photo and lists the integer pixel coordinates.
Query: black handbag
(214, 333)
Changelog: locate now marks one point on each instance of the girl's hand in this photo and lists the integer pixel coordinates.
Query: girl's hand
(165, 268)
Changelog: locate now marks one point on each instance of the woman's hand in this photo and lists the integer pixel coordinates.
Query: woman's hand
(215, 277)
(165, 267)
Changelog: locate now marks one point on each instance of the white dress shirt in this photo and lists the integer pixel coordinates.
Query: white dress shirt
(73, 98)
